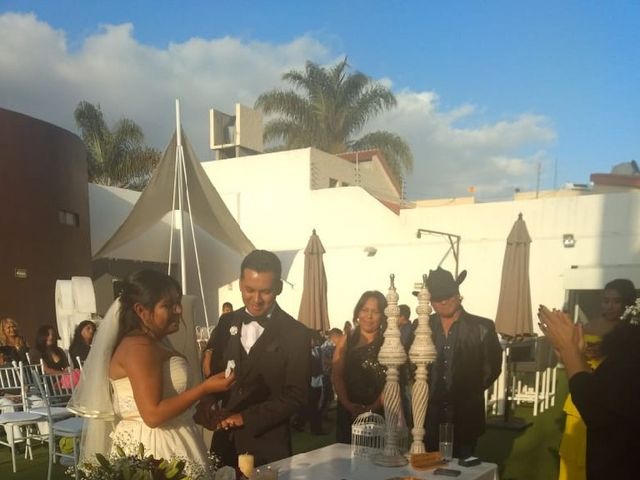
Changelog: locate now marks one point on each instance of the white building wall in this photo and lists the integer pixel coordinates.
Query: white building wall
(271, 197)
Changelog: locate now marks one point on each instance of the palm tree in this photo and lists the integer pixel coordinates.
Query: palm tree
(331, 109)
(117, 157)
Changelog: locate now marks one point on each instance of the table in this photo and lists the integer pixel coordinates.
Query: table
(335, 462)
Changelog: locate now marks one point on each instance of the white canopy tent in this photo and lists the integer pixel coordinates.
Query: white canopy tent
(179, 185)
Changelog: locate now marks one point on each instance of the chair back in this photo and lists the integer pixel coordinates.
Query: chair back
(55, 388)
(11, 382)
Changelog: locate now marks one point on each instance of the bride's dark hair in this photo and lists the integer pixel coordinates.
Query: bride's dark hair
(146, 287)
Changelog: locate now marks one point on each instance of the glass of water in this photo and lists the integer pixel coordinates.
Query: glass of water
(446, 441)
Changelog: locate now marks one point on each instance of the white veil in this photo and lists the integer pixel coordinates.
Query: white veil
(92, 397)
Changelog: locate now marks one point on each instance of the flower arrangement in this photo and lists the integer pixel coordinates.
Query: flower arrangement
(134, 464)
(632, 313)
(123, 466)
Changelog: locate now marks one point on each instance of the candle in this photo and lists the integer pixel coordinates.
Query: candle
(245, 464)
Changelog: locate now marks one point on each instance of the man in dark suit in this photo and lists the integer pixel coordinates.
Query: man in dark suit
(469, 359)
(270, 354)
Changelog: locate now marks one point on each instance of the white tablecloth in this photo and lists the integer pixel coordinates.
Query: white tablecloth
(335, 462)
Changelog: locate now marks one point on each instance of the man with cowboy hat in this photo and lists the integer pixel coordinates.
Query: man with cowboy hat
(468, 361)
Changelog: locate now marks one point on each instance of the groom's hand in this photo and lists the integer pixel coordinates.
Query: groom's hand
(233, 421)
(208, 415)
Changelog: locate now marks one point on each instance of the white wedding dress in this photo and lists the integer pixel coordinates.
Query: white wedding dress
(179, 437)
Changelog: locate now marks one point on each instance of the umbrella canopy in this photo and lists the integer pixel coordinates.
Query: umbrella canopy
(313, 306)
(514, 317)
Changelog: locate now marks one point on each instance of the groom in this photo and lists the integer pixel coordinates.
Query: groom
(271, 357)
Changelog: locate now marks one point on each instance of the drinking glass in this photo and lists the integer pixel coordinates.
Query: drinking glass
(446, 441)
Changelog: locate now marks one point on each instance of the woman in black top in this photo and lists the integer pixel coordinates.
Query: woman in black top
(358, 378)
(81, 342)
(54, 358)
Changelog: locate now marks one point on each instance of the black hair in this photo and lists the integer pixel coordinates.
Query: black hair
(146, 287)
(625, 288)
(41, 337)
(382, 304)
(334, 331)
(405, 311)
(262, 261)
(227, 304)
(45, 350)
(77, 333)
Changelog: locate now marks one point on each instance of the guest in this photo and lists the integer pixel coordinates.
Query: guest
(406, 370)
(607, 397)
(326, 352)
(311, 412)
(54, 359)
(10, 337)
(358, 378)
(133, 375)
(207, 353)
(468, 361)
(81, 342)
(227, 307)
(618, 295)
(407, 331)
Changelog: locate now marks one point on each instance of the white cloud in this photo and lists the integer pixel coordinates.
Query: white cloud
(43, 77)
(493, 158)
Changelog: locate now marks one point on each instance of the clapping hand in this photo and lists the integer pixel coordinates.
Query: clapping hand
(565, 337)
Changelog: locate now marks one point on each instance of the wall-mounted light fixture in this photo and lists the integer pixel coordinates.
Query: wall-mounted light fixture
(370, 251)
(568, 240)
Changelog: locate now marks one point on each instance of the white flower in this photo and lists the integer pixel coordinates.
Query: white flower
(632, 313)
(233, 330)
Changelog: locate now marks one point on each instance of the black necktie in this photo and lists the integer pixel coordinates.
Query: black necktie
(246, 319)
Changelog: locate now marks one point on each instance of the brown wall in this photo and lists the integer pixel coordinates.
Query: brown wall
(43, 170)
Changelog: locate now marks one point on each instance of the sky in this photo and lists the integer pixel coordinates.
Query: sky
(492, 95)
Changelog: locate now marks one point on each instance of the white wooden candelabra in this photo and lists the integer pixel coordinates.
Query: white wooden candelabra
(422, 353)
(392, 355)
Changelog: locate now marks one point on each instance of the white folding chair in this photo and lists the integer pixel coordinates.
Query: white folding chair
(15, 413)
(54, 391)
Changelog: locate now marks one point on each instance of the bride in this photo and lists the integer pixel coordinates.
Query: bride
(134, 389)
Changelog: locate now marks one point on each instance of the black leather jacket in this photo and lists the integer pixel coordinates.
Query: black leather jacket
(476, 364)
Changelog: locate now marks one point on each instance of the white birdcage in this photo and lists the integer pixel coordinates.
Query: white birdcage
(367, 434)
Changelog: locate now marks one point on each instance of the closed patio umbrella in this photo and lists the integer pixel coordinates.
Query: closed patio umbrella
(514, 317)
(313, 305)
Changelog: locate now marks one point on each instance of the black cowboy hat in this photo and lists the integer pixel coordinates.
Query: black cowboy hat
(442, 285)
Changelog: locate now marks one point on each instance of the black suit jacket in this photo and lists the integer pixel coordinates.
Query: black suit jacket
(272, 383)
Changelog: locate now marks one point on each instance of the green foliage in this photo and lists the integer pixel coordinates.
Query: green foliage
(117, 156)
(327, 108)
(134, 467)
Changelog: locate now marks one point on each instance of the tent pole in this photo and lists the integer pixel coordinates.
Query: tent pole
(179, 157)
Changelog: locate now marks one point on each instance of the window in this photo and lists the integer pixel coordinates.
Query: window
(71, 219)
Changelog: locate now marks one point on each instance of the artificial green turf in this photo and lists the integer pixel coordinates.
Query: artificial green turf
(531, 454)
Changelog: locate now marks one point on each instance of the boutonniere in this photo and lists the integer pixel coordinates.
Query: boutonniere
(233, 330)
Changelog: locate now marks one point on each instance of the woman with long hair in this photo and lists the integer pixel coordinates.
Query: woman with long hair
(81, 342)
(10, 337)
(54, 359)
(357, 376)
(152, 395)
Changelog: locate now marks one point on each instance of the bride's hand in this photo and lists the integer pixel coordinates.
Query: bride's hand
(218, 383)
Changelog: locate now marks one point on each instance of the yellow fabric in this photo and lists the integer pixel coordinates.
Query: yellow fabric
(573, 446)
